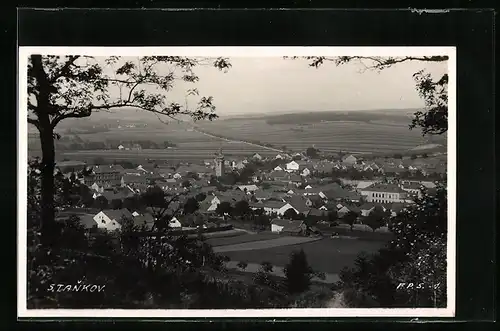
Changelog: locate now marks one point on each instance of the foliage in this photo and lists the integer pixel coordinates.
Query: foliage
(242, 265)
(332, 216)
(312, 152)
(191, 206)
(417, 255)
(241, 208)
(64, 87)
(298, 272)
(350, 218)
(377, 218)
(290, 214)
(224, 208)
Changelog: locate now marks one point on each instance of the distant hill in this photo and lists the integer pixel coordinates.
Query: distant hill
(387, 115)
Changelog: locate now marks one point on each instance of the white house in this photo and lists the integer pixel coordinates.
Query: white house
(323, 208)
(274, 207)
(248, 188)
(305, 172)
(292, 166)
(97, 188)
(308, 187)
(121, 147)
(110, 219)
(174, 223)
(278, 168)
(278, 157)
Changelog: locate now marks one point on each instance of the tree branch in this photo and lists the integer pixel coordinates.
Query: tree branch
(34, 122)
(65, 69)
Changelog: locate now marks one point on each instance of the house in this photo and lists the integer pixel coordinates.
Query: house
(273, 207)
(257, 156)
(111, 219)
(248, 188)
(105, 174)
(278, 157)
(278, 168)
(261, 195)
(174, 223)
(280, 226)
(299, 203)
(305, 172)
(240, 165)
(384, 193)
(362, 184)
(323, 208)
(278, 175)
(340, 193)
(292, 166)
(71, 166)
(366, 209)
(349, 160)
(413, 188)
(348, 208)
(121, 147)
(295, 179)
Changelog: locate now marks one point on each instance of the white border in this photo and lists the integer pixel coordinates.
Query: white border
(22, 158)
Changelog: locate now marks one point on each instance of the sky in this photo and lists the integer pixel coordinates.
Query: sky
(256, 85)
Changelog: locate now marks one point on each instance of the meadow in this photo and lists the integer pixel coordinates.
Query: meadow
(326, 255)
(377, 136)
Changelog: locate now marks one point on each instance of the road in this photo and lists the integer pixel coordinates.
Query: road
(239, 141)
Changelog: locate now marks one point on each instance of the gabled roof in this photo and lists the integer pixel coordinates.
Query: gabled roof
(271, 204)
(367, 206)
(382, 187)
(120, 195)
(298, 202)
(118, 214)
(353, 208)
(315, 212)
(107, 169)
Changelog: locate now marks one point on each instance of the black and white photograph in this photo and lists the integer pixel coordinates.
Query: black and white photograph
(236, 181)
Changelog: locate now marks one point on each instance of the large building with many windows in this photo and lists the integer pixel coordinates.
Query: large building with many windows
(385, 193)
(105, 175)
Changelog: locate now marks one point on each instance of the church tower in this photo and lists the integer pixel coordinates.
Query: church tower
(219, 164)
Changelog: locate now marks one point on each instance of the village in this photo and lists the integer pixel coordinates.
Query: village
(288, 194)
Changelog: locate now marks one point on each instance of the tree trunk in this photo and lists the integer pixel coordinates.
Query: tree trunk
(48, 187)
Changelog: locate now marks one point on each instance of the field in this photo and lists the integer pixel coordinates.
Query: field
(329, 136)
(359, 132)
(265, 244)
(326, 255)
(191, 145)
(241, 239)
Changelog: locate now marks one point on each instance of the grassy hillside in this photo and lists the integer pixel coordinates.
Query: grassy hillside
(355, 132)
